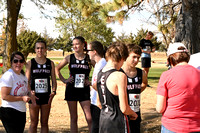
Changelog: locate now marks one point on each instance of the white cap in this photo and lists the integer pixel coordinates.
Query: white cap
(173, 48)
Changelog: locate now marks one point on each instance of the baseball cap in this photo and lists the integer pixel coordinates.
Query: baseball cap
(173, 48)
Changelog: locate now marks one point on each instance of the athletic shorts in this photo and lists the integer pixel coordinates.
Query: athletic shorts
(135, 124)
(43, 98)
(77, 94)
(146, 62)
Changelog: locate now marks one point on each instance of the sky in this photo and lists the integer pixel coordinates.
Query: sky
(35, 21)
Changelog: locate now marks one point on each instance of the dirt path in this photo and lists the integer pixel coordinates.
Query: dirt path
(59, 121)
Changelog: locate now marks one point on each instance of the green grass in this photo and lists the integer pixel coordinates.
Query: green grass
(153, 77)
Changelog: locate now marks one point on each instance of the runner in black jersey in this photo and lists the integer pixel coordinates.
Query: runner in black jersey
(39, 71)
(111, 85)
(136, 83)
(77, 85)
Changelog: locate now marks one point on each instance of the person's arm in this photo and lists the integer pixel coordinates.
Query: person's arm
(53, 77)
(94, 86)
(123, 98)
(144, 81)
(153, 49)
(28, 75)
(64, 62)
(54, 83)
(5, 95)
(161, 104)
(98, 101)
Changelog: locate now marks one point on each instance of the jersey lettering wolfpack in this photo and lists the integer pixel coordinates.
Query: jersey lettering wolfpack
(134, 90)
(80, 70)
(40, 76)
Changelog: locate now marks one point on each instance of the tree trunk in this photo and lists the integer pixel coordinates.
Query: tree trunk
(13, 8)
(188, 25)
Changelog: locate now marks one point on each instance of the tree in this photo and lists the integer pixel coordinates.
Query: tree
(164, 15)
(13, 8)
(26, 41)
(72, 23)
(187, 25)
(136, 38)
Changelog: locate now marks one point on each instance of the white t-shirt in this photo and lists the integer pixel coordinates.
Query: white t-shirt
(93, 93)
(194, 60)
(19, 85)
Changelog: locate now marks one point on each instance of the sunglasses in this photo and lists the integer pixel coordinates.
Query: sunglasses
(16, 61)
(89, 50)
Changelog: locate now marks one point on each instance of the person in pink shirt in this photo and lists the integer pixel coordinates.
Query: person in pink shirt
(178, 93)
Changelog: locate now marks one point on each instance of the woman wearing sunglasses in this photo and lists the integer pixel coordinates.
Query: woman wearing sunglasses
(40, 71)
(14, 90)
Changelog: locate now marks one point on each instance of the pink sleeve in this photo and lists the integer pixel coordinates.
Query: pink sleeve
(162, 85)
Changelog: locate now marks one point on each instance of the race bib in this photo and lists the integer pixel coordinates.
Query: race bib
(41, 86)
(79, 81)
(134, 102)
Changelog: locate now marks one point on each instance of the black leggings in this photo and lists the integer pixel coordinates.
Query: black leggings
(95, 112)
(13, 120)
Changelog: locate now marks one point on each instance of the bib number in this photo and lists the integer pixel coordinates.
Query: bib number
(148, 48)
(41, 86)
(79, 80)
(134, 102)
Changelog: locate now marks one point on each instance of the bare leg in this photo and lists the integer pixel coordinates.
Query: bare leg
(45, 110)
(86, 109)
(146, 70)
(34, 114)
(73, 116)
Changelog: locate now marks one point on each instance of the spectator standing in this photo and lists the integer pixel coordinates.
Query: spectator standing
(96, 52)
(14, 94)
(178, 93)
(147, 48)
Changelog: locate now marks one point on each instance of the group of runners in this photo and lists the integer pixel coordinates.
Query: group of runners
(37, 86)
(110, 102)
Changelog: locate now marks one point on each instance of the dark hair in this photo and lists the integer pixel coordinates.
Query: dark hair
(117, 51)
(20, 54)
(178, 57)
(134, 48)
(150, 33)
(41, 41)
(80, 38)
(98, 47)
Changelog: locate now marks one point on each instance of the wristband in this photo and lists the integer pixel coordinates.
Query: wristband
(54, 92)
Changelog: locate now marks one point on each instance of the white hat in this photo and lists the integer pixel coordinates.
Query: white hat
(173, 48)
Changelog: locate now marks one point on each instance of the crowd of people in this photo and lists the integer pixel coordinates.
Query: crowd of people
(110, 104)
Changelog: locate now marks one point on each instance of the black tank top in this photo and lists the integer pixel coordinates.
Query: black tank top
(40, 76)
(134, 90)
(112, 120)
(79, 69)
